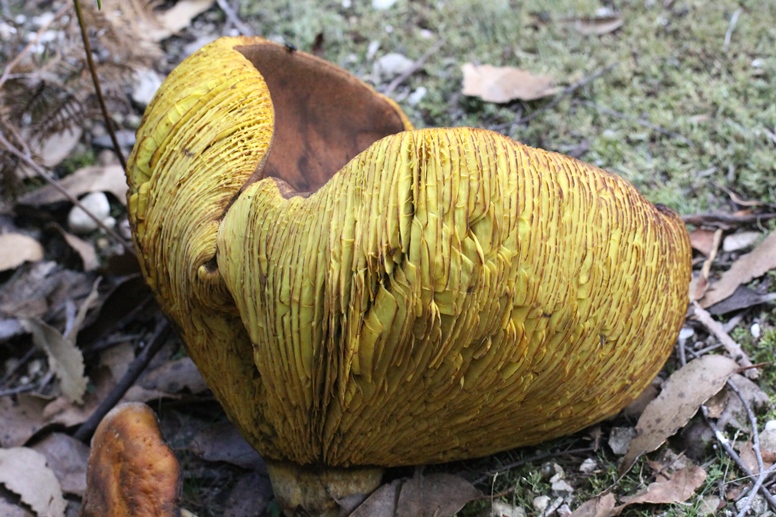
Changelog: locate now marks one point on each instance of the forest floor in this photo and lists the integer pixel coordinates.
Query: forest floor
(676, 96)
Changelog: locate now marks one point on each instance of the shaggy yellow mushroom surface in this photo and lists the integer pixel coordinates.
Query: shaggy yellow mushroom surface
(447, 294)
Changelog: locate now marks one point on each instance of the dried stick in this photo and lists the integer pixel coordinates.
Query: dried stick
(51, 179)
(417, 65)
(15, 61)
(701, 219)
(520, 463)
(136, 367)
(97, 89)
(231, 15)
(566, 92)
(733, 348)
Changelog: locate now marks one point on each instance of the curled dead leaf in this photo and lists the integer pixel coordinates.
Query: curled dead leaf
(504, 84)
(16, 249)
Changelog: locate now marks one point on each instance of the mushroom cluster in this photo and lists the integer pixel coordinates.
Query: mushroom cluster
(359, 294)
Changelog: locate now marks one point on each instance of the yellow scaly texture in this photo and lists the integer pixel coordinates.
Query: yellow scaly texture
(448, 294)
(200, 140)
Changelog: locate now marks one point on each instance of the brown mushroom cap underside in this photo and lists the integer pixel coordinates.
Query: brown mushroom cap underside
(447, 294)
(131, 470)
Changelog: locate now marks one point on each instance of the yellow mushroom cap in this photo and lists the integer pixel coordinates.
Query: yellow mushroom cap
(359, 293)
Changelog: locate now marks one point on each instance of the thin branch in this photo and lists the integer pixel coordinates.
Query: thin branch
(136, 367)
(235, 20)
(15, 61)
(725, 444)
(716, 328)
(538, 457)
(417, 65)
(648, 125)
(720, 218)
(53, 181)
(566, 92)
(97, 88)
(729, 33)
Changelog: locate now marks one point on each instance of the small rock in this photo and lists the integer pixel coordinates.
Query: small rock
(588, 466)
(417, 96)
(147, 81)
(740, 241)
(620, 439)
(391, 65)
(97, 203)
(558, 473)
(502, 509)
(347, 4)
(540, 503)
(686, 333)
(426, 34)
(768, 445)
(125, 137)
(563, 511)
(758, 506)
(7, 31)
(561, 488)
(709, 505)
(43, 19)
(382, 5)
(371, 50)
(770, 425)
(755, 330)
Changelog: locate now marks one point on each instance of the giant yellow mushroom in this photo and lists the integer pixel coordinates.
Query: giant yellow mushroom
(359, 294)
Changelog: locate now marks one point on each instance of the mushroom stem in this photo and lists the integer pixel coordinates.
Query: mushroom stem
(319, 490)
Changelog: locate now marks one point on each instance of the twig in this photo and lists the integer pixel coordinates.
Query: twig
(729, 33)
(231, 15)
(733, 348)
(15, 61)
(48, 177)
(649, 125)
(716, 218)
(538, 457)
(417, 65)
(136, 367)
(725, 444)
(565, 93)
(97, 89)
(755, 447)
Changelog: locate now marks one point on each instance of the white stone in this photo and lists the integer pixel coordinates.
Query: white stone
(540, 503)
(43, 19)
(770, 425)
(620, 439)
(391, 65)
(346, 4)
(97, 203)
(417, 96)
(561, 488)
(147, 81)
(686, 333)
(755, 330)
(382, 5)
(564, 511)
(502, 509)
(371, 50)
(588, 466)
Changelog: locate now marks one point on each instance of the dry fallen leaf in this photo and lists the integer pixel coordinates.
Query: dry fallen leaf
(683, 393)
(752, 265)
(16, 249)
(65, 358)
(96, 178)
(85, 250)
(437, 495)
(52, 149)
(67, 457)
(679, 487)
(505, 84)
(600, 506)
(21, 418)
(222, 442)
(178, 17)
(24, 472)
(702, 240)
(174, 377)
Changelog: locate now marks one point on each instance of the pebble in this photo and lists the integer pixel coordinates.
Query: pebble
(371, 50)
(620, 439)
(564, 511)
(502, 509)
(588, 466)
(417, 96)
(561, 488)
(382, 5)
(147, 81)
(97, 203)
(755, 330)
(540, 503)
(391, 65)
